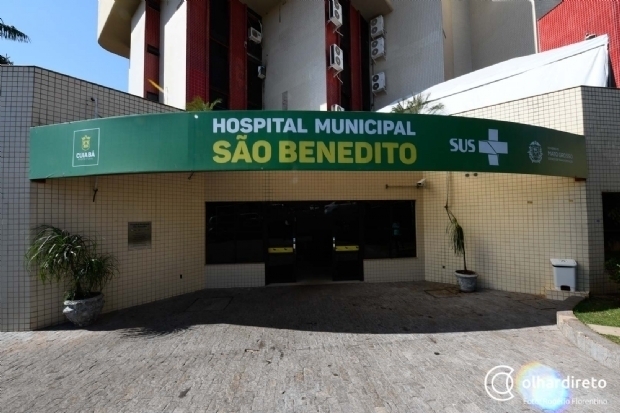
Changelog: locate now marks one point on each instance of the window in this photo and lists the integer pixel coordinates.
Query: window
(153, 97)
(254, 60)
(234, 233)
(154, 4)
(152, 50)
(365, 41)
(219, 41)
(389, 229)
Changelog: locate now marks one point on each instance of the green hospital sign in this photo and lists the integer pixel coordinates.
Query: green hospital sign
(311, 141)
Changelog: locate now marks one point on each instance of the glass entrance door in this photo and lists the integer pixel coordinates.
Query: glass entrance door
(313, 242)
(346, 241)
(314, 239)
(281, 244)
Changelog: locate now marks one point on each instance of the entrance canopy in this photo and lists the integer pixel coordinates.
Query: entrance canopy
(305, 141)
(581, 64)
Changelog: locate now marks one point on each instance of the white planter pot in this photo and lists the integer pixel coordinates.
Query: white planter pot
(83, 312)
(467, 281)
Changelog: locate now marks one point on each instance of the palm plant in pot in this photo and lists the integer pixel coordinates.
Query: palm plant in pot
(57, 255)
(467, 279)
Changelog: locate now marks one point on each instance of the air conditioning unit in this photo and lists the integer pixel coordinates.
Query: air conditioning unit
(262, 72)
(377, 48)
(337, 108)
(335, 13)
(255, 35)
(377, 27)
(378, 83)
(336, 58)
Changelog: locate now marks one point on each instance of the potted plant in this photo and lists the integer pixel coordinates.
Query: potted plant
(467, 279)
(57, 255)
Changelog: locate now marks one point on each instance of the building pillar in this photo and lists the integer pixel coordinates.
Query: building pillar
(238, 55)
(197, 50)
(356, 60)
(151, 50)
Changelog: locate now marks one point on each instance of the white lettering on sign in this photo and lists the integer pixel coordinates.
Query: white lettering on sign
(85, 155)
(327, 126)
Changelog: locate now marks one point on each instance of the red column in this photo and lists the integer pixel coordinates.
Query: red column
(197, 70)
(356, 60)
(333, 84)
(238, 56)
(151, 60)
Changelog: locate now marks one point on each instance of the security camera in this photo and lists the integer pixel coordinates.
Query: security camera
(421, 183)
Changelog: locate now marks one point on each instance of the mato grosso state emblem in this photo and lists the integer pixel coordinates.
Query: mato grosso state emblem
(85, 142)
(535, 152)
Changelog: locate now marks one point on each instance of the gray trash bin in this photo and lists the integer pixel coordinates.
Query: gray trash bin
(564, 274)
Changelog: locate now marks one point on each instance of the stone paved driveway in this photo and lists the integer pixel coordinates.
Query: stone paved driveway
(376, 348)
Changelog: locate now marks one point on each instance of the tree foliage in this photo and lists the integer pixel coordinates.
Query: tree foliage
(419, 104)
(10, 33)
(199, 105)
(457, 236)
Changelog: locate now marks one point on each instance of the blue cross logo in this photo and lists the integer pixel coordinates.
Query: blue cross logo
(493, 147)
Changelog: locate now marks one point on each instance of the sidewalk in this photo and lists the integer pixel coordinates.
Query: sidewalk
(606, 330)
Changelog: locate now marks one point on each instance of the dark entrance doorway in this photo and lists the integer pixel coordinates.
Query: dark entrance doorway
(313, 242)
(309, 242)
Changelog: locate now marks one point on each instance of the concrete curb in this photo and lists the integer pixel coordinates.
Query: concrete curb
(588, 341)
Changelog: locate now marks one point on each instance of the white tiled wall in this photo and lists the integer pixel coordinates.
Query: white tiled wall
(515, 223)
(32, 97)
(234, 275)
(601, 113)
(395, 270)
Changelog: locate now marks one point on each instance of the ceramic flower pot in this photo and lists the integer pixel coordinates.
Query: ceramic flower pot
(468, 280)
(83, 312)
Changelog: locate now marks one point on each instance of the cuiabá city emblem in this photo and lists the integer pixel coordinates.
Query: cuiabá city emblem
(86, 145)
(535, 152)
(85, 142)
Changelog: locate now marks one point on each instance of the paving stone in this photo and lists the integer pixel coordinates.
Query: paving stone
(373, 348)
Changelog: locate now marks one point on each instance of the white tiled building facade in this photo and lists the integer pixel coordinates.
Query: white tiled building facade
(514, 223)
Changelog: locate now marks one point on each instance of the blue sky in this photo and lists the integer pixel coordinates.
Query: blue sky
(63, 36)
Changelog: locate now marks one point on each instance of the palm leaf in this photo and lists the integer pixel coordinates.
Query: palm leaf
(457, 237)
(199, 105)
(57, 255)
(419, 104)
(5, 60)
(11, 33)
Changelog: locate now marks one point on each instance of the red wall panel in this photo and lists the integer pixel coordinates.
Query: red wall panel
(238, 56)
(571, 20)
(356, 61)
(197, 70)
(152, 38)
(333, 83)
